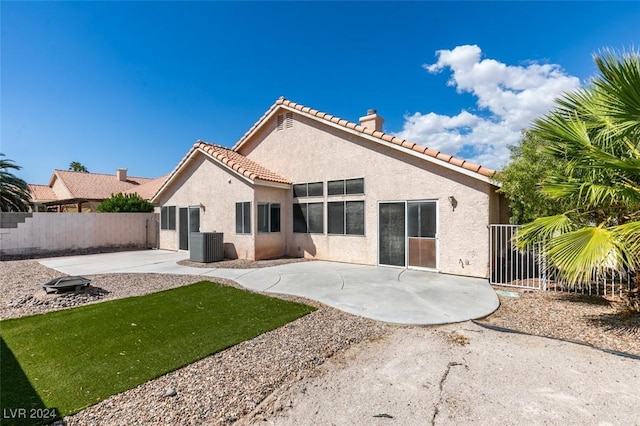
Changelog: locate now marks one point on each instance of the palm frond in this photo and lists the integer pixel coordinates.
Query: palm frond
(543, 229)
(629, 234)
(584, 253)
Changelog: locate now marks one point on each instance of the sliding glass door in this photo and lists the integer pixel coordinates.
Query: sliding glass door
(407, 234)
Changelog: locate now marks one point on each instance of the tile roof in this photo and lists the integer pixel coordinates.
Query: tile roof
(94, 186)
(427, 152)
(42, 193)
(148, 189)
(234, 160)
(240, 163)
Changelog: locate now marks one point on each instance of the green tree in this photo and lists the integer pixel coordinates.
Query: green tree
(521, 178)
(77, 167)
(596, 131)
(14, 192)
(125, 203)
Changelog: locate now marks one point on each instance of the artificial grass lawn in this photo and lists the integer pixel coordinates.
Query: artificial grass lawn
(71, 359)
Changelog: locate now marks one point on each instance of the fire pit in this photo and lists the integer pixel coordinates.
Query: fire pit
(66, 284)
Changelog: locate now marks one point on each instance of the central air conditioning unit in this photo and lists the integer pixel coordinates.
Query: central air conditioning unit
(206, 247)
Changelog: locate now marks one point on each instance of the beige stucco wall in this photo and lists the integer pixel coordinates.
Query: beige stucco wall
(312, 151)
(55, 232)
(207, 183)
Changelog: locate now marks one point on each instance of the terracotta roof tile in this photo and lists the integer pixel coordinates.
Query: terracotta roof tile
(42, 193)
(409, 145)
(458, 162)
(444, 157)
(148, 189)
(471, 166)
(95, 186)
(238, 162)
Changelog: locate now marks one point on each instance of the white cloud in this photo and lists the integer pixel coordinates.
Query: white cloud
(508, 98)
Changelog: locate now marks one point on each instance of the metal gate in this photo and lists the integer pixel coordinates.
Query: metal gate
(527, 268)
(512, 267)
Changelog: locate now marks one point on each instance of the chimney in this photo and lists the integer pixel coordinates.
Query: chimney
(372, 120)
(121, 174)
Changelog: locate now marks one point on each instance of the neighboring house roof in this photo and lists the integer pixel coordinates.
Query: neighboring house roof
(377, 136)
(233, 161)
(148, 189)
(94, 186)
(68, 186)
(42, 193)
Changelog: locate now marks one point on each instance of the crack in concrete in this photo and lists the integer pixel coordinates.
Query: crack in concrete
(436, 409)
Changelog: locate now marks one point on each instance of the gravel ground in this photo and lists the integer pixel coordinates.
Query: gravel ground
(569, 316)
(228, 386)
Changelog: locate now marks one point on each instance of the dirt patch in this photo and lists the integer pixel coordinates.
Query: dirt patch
(568, 316)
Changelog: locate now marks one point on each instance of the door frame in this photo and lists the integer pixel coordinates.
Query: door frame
(189, 230)
(406, 236)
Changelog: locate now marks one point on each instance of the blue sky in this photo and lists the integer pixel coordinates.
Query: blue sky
(135, 84)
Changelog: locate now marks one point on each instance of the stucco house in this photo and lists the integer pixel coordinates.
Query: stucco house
(70, 191)
(305, 183)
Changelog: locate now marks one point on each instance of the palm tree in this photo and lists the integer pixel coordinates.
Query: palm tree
(596, 130)
(77, 167)
(14, 192)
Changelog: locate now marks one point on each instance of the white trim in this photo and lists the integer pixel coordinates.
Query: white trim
(271, 184)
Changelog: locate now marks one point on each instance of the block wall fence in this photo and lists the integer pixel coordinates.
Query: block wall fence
(38, 234)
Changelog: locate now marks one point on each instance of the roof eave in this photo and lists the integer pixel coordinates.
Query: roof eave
(190, 156)
(272, 184)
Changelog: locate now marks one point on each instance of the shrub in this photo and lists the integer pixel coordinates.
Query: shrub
(125, 203)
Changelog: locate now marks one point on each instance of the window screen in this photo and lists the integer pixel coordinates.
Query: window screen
(164, 219)
(168, 218)
(308, 218)
(243, 217)
(312, 189)
(316, 189)
(421, 218)
(345, 217)
(275, 217)
(335, 187)
(355, 186)
(345, 186)
(354, 218)
(268, 217)
(299, 218)
(315, 218)
(194, 219)
(300, 190)
(335, 217)
(263, 217)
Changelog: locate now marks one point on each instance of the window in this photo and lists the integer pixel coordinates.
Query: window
(268, 217)
(345, 186)
(168, 218)
(312, 189)
(308, 218)
(345, 217)
(243, 218)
